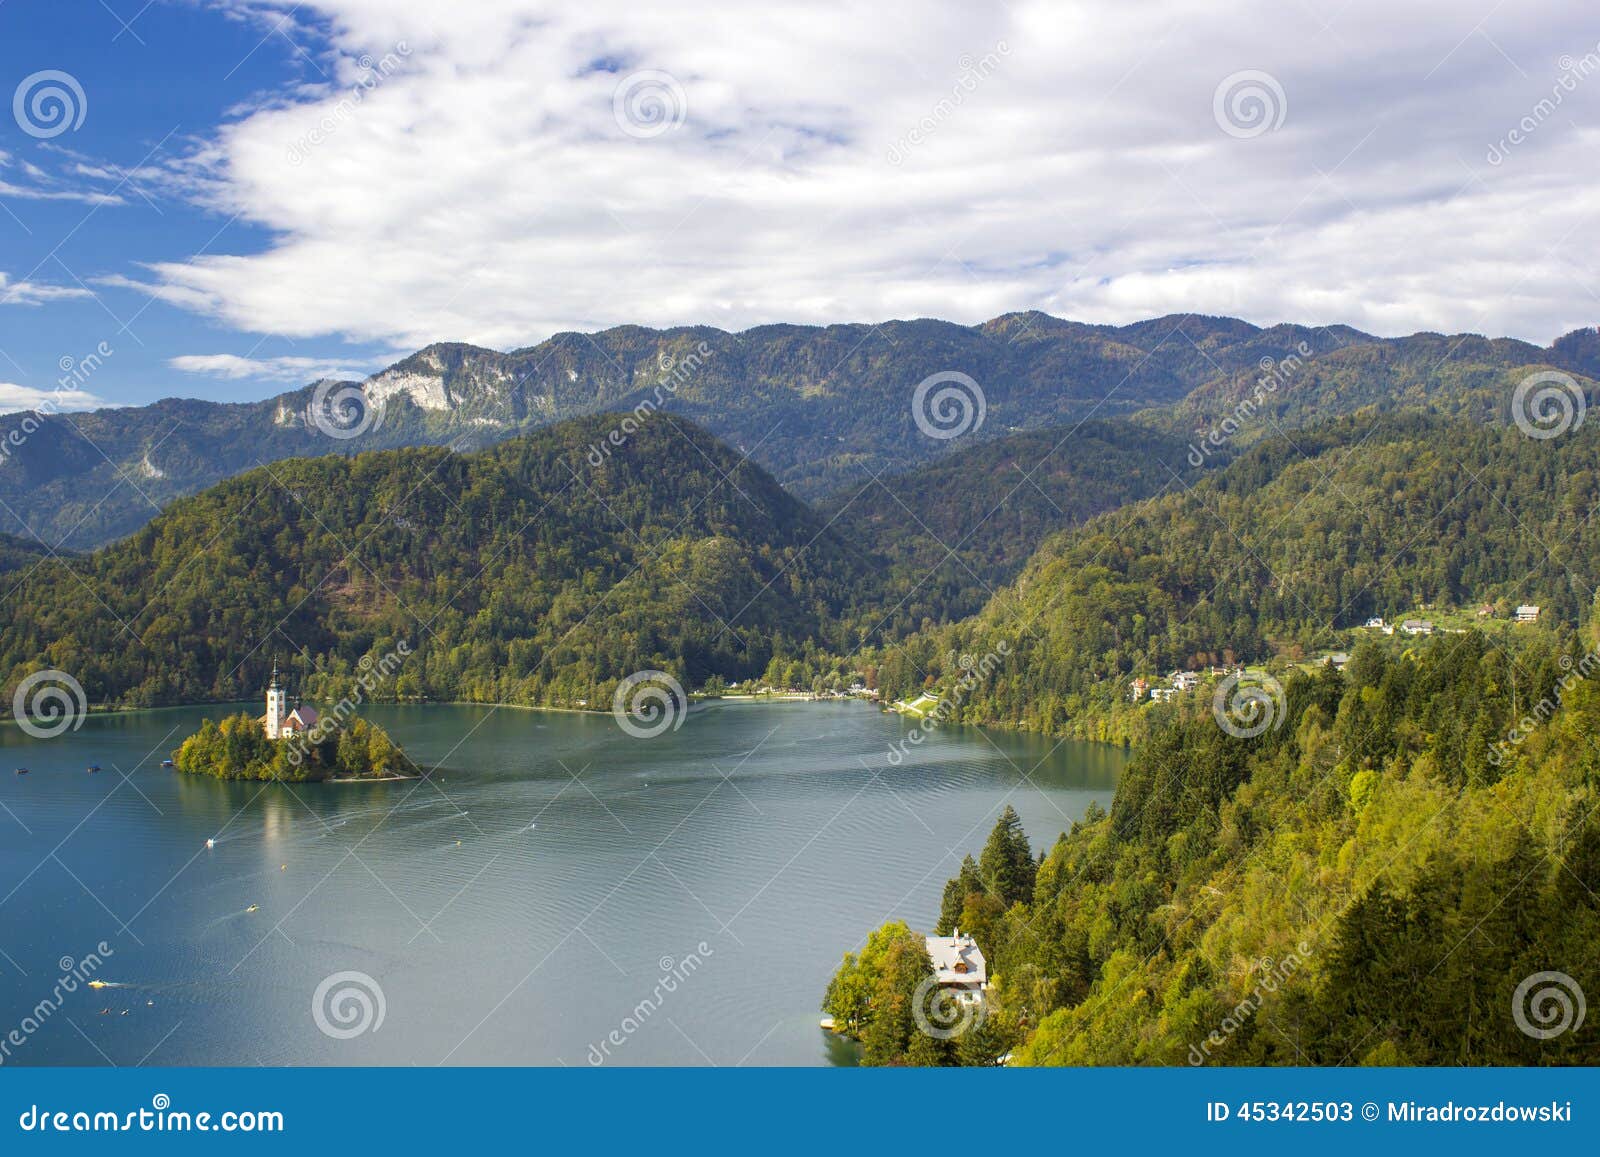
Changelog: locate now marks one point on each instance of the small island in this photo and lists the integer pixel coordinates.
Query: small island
(298, 745)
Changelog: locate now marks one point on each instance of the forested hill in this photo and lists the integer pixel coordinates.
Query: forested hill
(1464, 376)
(537, 571)
(958, 528)
(1359, 884)
(1279, 554)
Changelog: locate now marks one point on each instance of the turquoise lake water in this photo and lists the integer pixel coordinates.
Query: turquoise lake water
(546, 892)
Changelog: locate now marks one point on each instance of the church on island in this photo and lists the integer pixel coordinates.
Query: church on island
(279, 723)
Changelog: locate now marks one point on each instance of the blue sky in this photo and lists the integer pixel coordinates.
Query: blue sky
(155, 79)
(262, 193)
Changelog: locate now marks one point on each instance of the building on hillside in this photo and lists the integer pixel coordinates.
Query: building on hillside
(1376, 624)
(1162, 694)
(1486, 610)
(1137, 688)
(1185, 680)
(1417, 627)
(1527, 613)
(959, 966)
(282, 721)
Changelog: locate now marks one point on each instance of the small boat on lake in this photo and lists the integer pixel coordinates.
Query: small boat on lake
(210, 843)
(22, 771)
(166, 763)
(93, 767)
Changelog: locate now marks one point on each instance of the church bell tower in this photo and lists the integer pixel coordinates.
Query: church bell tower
(275, 705)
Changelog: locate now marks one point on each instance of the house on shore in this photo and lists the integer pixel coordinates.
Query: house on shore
(959, 966)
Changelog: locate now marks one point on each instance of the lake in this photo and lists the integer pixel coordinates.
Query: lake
(557, 886)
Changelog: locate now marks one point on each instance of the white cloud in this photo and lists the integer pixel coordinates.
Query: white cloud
(275, 369)
(851, 163)
(14, 398)
(35, 293)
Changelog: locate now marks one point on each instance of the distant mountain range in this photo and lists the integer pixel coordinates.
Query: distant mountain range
(820, 408)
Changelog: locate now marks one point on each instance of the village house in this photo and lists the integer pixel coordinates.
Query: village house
(1376, 624)
(1527, 613)
(1162, 694)
(1185, 680)
(1417, 627)
(959, 966)
(1137, 688)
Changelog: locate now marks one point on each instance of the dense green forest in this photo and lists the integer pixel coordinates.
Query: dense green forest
(1277, 555)
(517, 574)
(952, 532)
(1367, 883)
(238, 748)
